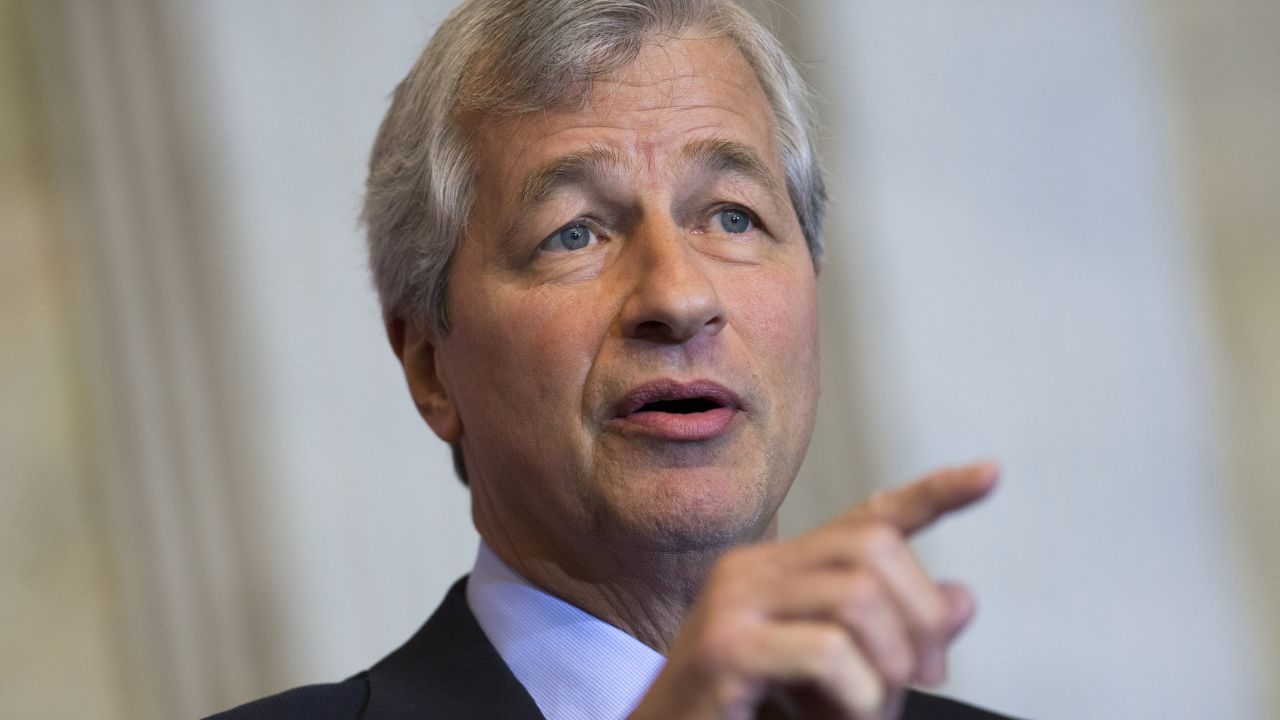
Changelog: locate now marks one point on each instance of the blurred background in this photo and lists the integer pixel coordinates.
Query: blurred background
(1054, 239)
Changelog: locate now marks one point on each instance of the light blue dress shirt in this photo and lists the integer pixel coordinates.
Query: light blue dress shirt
(574, 665)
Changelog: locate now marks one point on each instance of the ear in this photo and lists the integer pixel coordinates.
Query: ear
(418, 348)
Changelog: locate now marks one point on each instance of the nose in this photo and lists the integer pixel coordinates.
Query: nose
(673, 298)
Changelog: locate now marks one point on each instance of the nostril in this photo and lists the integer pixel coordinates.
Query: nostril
(653, 329)
(675, 332)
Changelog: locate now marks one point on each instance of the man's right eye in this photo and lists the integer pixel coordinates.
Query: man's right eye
(569, 237)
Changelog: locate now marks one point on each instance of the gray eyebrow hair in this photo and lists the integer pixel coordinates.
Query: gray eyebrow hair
(715, 155)
(725, 156)
(568, 170)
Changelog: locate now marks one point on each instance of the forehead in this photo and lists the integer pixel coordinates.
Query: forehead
(677, 91)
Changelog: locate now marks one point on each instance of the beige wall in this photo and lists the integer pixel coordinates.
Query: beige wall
(1021, 279)
(1224, 58)
(59, 640)
(193, 511)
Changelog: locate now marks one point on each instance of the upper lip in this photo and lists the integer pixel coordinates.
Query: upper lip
(666, 389)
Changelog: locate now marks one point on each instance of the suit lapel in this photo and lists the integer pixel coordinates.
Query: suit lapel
(447, 671)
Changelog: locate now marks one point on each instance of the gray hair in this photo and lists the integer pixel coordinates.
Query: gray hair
(515, 56)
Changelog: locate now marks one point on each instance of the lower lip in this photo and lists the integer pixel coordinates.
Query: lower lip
(688, 427)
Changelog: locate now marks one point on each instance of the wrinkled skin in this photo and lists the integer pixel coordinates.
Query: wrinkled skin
(648, 236)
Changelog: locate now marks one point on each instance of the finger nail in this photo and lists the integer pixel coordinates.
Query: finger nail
(986, 469)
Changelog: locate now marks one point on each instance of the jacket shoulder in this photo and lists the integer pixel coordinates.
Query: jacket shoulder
(333, 701)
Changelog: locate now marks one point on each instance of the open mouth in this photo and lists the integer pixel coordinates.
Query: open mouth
(677, 398)
(681, 406)
(674, 411)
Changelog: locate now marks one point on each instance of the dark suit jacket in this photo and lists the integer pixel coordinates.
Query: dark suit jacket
(450, 671)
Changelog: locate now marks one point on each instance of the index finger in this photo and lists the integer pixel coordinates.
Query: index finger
(913, 507)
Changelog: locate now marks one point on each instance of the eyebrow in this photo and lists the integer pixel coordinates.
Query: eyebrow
(721, 156)
(567, 171)
(717, 156)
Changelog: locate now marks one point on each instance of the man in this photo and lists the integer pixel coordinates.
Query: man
(595, 227)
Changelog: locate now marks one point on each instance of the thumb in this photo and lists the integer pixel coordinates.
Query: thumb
(960, 610)
(961, 607)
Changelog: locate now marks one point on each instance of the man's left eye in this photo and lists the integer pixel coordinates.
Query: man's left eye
(734, 220)
(569, 237)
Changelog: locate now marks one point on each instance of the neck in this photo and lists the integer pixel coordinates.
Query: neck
(645, 593)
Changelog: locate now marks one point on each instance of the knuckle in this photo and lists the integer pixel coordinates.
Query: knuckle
(861, 596)
(880, 503)
(740, 562)
(830, 646)
(899, 667)
(729, 695)
(934, 618)
(879, 538)
(730, 573)
(719, 647)
(869, 698)
(728, 565)
(932, 630)
(874, 697)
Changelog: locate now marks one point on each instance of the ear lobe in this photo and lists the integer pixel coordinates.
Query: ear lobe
(419, 351)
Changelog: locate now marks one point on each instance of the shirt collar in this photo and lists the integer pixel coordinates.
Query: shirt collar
(574, 665)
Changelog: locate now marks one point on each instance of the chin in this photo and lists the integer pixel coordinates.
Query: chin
(689, 509)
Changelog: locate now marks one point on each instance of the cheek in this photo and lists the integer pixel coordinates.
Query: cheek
(779, 315)
(778, 321)
(526, 353)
